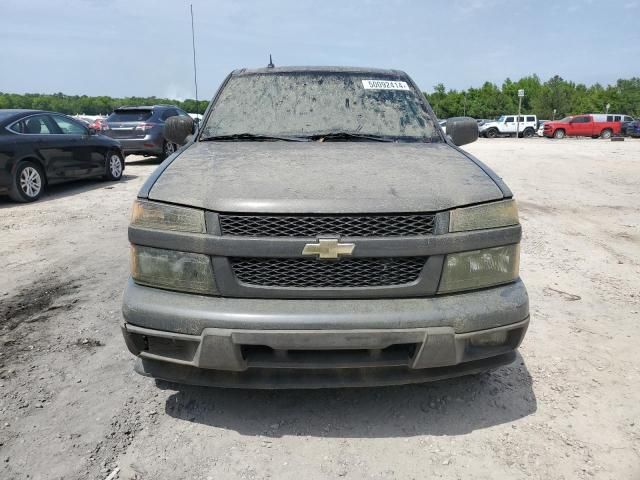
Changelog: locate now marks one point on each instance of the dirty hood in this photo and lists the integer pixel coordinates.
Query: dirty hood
(327, 177)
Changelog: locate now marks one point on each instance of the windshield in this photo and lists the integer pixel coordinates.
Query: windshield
(566, 119)
(130, 116)
(312, 104)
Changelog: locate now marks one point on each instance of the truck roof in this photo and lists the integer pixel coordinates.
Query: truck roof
(307, 69)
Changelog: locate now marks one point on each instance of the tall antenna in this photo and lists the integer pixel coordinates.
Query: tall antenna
(195, 70)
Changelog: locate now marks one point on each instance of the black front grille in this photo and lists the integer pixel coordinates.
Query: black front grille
(336, 225)
(344, 273)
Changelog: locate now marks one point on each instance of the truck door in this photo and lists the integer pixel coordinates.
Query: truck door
(581, 126)
(617, 126)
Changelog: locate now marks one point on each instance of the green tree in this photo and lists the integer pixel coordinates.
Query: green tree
(487, 101)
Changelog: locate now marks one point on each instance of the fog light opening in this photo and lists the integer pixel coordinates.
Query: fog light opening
(495, 339)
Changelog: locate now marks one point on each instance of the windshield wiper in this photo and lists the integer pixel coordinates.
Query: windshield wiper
(250, 137)
(320, 137)
(349, 136)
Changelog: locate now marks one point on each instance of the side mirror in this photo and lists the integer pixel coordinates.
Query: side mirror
(178, 128)
(462, 130)
(92, 131)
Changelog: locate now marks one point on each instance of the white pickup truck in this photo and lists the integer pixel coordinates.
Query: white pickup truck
(507, 126)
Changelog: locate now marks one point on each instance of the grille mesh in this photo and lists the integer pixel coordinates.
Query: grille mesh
(310, 273)
(338, 225)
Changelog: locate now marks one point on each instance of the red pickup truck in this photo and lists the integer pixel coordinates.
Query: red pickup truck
(594, 126)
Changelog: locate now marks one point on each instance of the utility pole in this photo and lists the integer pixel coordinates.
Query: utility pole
(520, 95)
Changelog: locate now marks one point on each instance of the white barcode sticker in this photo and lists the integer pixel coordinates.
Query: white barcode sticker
(384, 85)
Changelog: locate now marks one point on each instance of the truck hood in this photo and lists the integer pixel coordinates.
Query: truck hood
(323, 177)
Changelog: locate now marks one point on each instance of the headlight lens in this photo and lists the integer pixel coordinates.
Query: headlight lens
(182, 271)
(160, 216)
(488, 215)
(480, 268)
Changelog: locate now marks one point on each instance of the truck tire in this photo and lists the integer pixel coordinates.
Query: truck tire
(606, 133)
(559, 133)
(492, 133)
(528, 133)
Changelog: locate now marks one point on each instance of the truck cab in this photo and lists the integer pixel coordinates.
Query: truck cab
(588, 125)
(508, 125)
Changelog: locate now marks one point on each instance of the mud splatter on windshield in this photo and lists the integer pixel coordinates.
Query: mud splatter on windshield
(316, 103)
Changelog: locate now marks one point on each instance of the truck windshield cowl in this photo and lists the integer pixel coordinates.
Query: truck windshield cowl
(320, 106)
(325, 137)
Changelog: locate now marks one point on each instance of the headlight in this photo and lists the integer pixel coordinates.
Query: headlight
(160, 216)
(182, 271)
(488, 215)
(480, 268)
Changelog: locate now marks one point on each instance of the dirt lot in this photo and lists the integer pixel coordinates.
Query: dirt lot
(71, 407)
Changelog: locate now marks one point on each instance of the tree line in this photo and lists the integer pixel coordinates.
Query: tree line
(542, 99)
(83, 104)
(488, 101)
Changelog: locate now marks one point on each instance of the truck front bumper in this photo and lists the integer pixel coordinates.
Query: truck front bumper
(260, 343)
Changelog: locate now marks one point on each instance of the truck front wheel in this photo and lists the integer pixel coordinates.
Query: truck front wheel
(492, 133)
(606, 133)
(558, 133)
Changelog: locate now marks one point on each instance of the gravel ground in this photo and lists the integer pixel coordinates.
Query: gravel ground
(71, 406)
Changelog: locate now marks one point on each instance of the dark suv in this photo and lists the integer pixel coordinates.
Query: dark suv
(139, 129)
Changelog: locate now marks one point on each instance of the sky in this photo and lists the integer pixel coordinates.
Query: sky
(143, 47)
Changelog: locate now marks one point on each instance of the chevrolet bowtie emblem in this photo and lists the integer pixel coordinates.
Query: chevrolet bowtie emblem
(328, 248)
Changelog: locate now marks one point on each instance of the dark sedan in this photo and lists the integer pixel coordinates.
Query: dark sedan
(39, 148)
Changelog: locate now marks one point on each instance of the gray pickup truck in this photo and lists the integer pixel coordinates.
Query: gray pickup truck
(321, 230)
